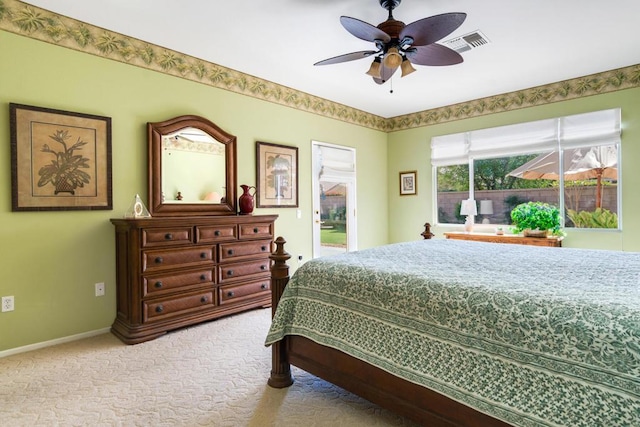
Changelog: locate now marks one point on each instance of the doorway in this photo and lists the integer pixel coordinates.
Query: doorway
(334, 199)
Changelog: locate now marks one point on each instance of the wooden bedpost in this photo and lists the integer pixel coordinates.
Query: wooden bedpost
(280, 367)
(427, 234)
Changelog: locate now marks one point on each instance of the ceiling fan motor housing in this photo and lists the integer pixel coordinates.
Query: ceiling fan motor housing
(392, 27)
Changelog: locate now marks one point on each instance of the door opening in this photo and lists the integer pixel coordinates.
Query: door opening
(334, 219)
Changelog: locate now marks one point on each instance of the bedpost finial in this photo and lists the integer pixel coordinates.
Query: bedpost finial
(280, 247)
(279, 268)
(427, 234)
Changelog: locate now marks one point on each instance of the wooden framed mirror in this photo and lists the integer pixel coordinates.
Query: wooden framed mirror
(192, 168)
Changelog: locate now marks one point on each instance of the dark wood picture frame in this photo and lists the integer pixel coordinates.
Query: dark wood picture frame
(408, 183)
(60, 160)
(276, 175)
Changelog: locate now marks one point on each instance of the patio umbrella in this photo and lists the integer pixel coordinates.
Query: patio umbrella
(579, 164)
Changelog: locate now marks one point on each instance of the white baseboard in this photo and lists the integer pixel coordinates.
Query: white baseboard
(57, 341)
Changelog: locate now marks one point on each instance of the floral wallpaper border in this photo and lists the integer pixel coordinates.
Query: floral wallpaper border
(30, 21)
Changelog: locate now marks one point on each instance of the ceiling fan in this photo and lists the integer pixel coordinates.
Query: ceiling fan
(400, 45)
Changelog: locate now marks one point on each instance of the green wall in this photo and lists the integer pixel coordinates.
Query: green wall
(410, 150)
(51, 260)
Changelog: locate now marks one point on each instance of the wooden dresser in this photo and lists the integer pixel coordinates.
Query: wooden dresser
(178, 271)
(508, 238)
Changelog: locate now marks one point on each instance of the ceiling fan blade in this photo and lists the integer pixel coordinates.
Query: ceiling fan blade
(386, 74)
(430, 30)
(364, 30)
(434, 54)
(347, 57)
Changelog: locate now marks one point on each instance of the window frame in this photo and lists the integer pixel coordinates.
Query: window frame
(595, 129)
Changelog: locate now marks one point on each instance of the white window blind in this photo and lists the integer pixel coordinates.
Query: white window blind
(597, 128)
(449, 149)
(580, 130)
(336, 163)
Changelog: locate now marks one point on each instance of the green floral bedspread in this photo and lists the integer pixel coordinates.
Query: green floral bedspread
(531, 335)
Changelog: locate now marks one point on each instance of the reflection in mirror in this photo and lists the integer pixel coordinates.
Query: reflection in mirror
(193, 167)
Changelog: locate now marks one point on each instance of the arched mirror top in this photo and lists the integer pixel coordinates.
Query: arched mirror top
(192, 168)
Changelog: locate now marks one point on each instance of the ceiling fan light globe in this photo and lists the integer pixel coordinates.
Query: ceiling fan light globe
(375, 70)
(406, 67)
(392, 59)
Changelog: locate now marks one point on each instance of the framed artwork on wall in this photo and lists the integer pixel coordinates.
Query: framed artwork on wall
(408, 183)
(277, 175)
(60, 160)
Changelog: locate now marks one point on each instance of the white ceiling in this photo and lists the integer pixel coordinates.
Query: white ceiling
(532, 42)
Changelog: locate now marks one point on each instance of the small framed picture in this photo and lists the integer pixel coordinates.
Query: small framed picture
(60, 160)
(408, 183)
(277, 175)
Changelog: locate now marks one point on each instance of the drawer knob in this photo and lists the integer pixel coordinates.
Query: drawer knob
(203, 300)
(203, 255)
(263, 286)
(203, 277)
(159, 309)
(263, 248)
(230, 294)
(230, 252)
(229, 272)
(158, 260)
(158, 285)
(255, 230)
(263, 267)
(216, 233)
(168, 236)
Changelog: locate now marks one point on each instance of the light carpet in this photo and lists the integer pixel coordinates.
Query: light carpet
(213, 374)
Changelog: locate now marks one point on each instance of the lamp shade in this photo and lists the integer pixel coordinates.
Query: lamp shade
(486, 207)
(213, 196)
(375, 69)
(392, 58)
(468, 207)
(406, 67)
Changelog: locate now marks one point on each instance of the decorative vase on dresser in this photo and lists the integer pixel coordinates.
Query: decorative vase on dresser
(245, 201)
(178, 271)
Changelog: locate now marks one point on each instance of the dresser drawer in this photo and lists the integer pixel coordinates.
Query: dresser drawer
(159, 284)
(183, 304)
(256, 230)
(166, 236)
(170, 258)
(243, 291)
(240, 250)
(216, 233)
(243, 270)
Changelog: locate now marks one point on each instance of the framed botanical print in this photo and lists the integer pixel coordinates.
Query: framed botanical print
(277, 175)
(60, 160)
(408, 184)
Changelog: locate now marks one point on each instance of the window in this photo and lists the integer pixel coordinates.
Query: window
(505, 166)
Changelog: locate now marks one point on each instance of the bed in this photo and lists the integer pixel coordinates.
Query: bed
(461, 333)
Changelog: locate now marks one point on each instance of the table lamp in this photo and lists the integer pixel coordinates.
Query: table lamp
(468, 208)
(486, 209)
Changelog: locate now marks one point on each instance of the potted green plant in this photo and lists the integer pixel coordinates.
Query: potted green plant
(536, 219)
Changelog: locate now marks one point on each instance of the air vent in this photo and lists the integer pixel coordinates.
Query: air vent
(466, 42)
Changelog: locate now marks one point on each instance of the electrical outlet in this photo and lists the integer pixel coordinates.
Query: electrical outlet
(7, 304)
(100, 289)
